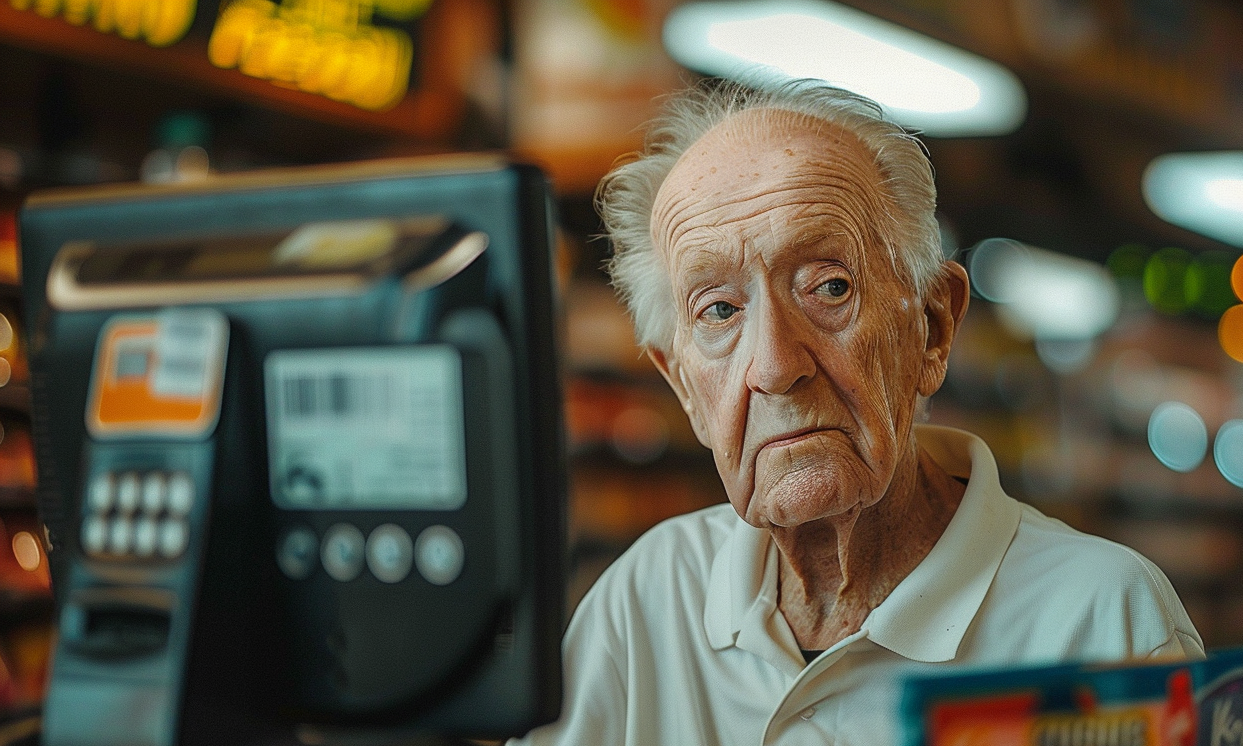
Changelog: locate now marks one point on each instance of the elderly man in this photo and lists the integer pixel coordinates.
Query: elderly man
(778, 252)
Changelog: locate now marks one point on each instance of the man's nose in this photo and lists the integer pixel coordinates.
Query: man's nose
(780, 356)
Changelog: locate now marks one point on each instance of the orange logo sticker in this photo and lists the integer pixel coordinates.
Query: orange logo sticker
(159, 374)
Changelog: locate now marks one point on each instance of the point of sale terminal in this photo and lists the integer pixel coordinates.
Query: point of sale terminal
(300, 455)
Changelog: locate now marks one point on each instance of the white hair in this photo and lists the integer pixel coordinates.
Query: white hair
(626, 195)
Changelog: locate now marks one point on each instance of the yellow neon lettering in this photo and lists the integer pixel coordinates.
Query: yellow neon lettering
(78, 12)
(104, 19)
(159, 22)
(235, 29)
(364, 66)
(128, 14)
(168, 21)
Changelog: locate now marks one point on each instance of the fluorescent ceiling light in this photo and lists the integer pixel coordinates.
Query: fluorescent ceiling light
(1202, 192)
(1044, 294)
(922, 83)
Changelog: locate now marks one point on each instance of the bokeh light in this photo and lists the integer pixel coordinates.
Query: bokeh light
(1165, 280)
(26, 550)
(1177, 436)
(1208, 284)
(1230, 332)
(6, 332)
(991, 263)
(1042, 293)
(1065, 356)
(1236, 278)
(1201, 191)
(1228, 452)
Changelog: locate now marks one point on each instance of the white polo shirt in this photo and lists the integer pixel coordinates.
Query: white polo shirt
(681, 642)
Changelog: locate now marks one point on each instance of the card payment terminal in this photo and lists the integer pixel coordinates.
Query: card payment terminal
(300, 454)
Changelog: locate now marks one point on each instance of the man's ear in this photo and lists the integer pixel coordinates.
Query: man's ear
(673, 373)
(944, 309)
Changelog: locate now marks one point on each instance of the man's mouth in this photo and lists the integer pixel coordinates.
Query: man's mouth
(793, 437)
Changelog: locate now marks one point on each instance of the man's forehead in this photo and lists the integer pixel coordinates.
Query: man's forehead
(760, 160)
(771, 132)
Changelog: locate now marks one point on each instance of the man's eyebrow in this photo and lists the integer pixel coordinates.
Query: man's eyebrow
(705, 260)
(809, 237)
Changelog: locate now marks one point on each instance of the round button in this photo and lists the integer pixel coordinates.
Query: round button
(180, 493)
(128, 492)
(390, 553)
(121, 535)
(101, 493)
(439, 555)
(296, 553)
(154, 488)
(173, 538)
(342, 552)
(94, 535)
(146, 536)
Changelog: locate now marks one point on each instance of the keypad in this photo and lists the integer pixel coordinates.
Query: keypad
(138, 514)
(387, 552)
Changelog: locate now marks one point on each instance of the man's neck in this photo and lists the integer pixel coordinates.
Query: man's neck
(836, 570)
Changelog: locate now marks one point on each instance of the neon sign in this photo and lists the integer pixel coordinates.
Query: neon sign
(158, 22)
(326, 47)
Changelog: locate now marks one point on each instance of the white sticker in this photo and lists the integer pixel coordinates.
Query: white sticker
(188, 344)
(366, 428)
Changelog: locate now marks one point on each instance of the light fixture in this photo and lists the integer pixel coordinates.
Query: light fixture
(1202, 192)
(1044, 294)
(921, 82)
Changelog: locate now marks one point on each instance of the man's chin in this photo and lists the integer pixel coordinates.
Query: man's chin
(783, 509)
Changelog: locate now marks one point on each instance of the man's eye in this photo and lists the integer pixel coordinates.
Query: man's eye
(837, 287)
(721, 311)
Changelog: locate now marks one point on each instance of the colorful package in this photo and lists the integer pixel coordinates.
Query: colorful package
(1170, 704)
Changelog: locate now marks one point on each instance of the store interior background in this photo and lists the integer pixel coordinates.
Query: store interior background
(1111, 84)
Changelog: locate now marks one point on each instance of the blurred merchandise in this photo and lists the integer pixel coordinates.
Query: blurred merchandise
(1138, 704)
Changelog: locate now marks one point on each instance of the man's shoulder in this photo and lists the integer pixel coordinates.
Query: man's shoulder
(1050, 546)
(1101, 594)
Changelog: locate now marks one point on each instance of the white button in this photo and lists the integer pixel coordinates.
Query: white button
(390, 553)
(154, 488)
(145, 536)
(94, 535)
(121, 535)
(439, 555)
(101, 493)
(128, 493)
(180, 493)
(174, 537)
(342, 552)
(296, 553)
(807, 714)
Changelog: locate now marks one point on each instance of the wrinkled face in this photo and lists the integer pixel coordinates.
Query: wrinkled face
(798, 352)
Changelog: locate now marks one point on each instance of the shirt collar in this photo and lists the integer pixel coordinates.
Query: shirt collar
(927, 614)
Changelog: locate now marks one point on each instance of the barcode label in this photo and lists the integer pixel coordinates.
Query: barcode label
(369, 428)
(338, 395)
